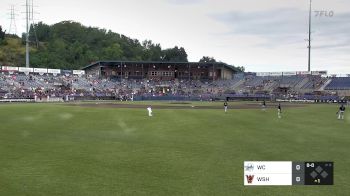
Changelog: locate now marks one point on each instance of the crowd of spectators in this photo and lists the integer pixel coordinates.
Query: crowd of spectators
(35, 86)
(68, 87)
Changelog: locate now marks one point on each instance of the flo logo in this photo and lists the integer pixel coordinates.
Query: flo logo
(250, 178)
(324, 13)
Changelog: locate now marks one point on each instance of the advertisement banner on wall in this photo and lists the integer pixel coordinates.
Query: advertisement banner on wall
(78, 72)
(319, 73)
(290, 73)
(25, 69)
(67, 72)
(262, 74)
(303, 73)
(9, 68)
(275, 73)
(54, 71)
(40, 70)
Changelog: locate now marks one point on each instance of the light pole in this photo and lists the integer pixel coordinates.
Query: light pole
(27, 33)
(309, 46)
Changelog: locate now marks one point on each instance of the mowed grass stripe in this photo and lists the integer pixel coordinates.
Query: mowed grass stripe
(52, 149)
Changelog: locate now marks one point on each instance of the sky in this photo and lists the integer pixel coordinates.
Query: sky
(261, 35)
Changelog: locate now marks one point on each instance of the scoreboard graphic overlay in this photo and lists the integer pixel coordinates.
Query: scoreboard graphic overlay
(269, 173)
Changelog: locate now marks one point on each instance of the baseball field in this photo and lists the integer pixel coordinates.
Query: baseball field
(184, 149)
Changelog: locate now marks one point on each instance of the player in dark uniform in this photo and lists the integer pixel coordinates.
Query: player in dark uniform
(263, 106)
(225, 106)
(341, 112)
(279, 111)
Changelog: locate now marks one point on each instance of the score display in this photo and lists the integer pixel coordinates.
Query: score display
(267, 173)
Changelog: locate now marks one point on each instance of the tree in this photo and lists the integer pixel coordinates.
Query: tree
(68, 31)
(206, 59)
(151, 51)
(2, 35)
(40, 32)
(241, 68)
(175, 55)
(12, 52)
(113, 52)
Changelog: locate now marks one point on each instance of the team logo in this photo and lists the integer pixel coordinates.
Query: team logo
(250, 178)
(249, 167)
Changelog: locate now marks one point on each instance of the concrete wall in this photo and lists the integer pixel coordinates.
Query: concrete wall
(95, 71)
(226, 74)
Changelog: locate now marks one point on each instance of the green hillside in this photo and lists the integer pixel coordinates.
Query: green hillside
(70, 45)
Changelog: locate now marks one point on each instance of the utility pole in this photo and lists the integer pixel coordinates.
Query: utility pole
(13, 27)
(31, 3)
(31, 18)
(309, 46)
(27, 33)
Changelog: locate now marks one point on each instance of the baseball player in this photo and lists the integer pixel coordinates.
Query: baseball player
(225, 106)
(341, 112)
(263, 106)
(149, 109)
(279, 111)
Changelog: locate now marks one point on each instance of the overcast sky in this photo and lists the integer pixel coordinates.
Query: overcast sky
(261, 35)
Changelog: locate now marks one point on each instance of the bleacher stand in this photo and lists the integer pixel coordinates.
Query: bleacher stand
(33, 85)
(341, 83)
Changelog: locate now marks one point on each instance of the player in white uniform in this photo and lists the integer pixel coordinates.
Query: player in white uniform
(149, 109)
(225, 106)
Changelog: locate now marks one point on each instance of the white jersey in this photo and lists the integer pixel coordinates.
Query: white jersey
(149, 111)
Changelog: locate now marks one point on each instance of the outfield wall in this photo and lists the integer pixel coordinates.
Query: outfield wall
(16, 100)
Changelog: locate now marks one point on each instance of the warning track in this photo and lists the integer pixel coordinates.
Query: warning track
(189, 106)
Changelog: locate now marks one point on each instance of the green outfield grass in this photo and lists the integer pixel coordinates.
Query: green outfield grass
(55, 149)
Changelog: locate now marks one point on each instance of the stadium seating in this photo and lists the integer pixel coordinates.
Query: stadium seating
(20, 85)
(341, 83)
